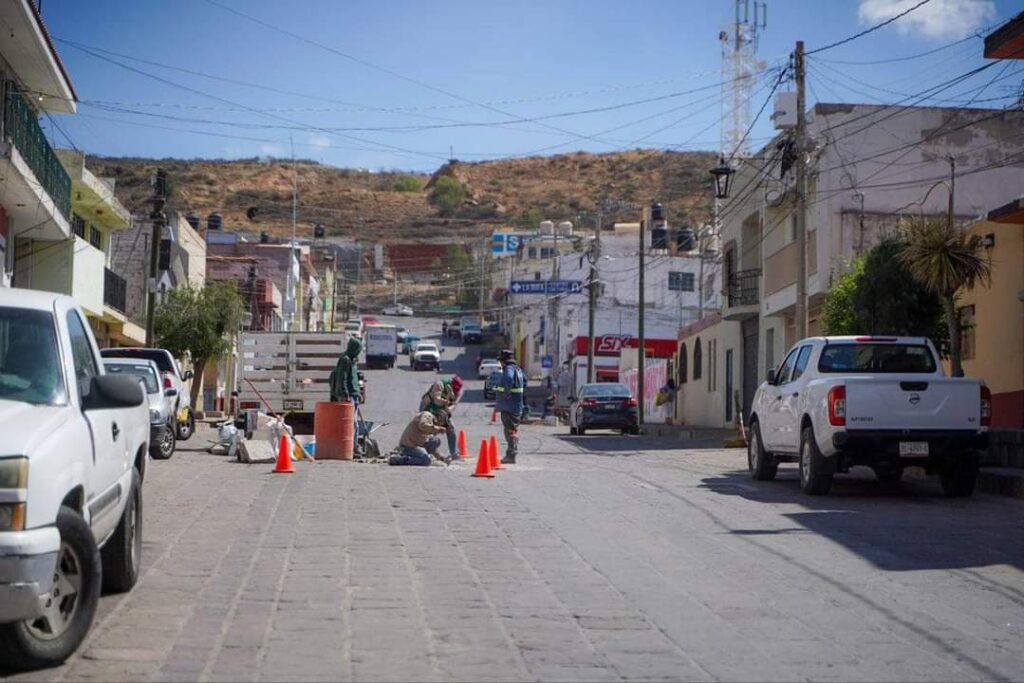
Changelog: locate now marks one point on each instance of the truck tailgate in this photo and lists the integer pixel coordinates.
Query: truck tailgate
(932, 403)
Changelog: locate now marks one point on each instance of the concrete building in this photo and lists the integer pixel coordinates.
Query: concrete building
(35, 195)
(868, 167)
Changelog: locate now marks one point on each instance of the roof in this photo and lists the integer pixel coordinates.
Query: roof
(1008, 213)
(29, 298)
(1007, 41)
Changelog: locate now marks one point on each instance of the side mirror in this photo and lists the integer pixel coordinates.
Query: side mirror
(770, 378)
(113, 391)
(188, 375)
(170, 393)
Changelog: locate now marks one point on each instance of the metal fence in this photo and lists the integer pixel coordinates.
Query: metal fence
(742, 287)
(21, 128)
(115, 291)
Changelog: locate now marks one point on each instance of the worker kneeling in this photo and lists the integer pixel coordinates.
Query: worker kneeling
(419, 441)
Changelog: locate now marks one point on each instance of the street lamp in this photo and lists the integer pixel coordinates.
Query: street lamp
(723, 178)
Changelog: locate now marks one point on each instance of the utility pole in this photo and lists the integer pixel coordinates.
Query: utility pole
(483, 255)
(700, 275)
(801, 195)
(952, 191)
(641, 355)
(592, 290)
(158, 218)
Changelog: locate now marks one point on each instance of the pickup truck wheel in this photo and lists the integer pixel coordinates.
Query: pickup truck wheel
(762, 465)
(961, 476)
(122, 553)
(816, 470)
(164, 448)
(187, 427)
(51, 638)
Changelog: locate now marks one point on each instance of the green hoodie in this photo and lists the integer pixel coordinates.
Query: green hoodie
(344, 381)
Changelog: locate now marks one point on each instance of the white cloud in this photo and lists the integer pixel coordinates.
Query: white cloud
(947, 19)
(271, 150)
(320, 141)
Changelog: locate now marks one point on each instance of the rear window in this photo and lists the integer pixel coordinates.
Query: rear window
(876, 358)
(140, 371)
(161, 358)
(606, 390)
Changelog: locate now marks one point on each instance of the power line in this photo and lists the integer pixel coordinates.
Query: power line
(866, 31)
(907, 58)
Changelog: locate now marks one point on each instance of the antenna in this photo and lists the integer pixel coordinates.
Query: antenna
(739, 64)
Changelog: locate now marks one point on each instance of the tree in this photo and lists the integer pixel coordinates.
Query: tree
(945, 259)
(880, 296)
(408, 183)
(448, 195)
(198, 323)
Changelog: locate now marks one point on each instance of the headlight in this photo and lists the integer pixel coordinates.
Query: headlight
(14, 473)
(154, 415)
(12, 516)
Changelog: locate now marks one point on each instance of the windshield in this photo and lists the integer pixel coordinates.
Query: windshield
(29, 361)
(876, 358)
(144, 373)
(353, 327)
(602, 390)
(426, 347)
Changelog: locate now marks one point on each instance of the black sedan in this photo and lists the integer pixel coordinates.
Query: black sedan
(492, 381)
(603, 405)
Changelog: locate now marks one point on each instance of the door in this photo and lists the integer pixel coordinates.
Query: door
(109, 437)
(771, 413)
(789, 402)
(751, 332)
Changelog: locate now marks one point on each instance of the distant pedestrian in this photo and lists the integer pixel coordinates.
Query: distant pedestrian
(419, 441)
(510, 395)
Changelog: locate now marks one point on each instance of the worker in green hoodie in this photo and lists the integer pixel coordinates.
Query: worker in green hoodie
(344, 379)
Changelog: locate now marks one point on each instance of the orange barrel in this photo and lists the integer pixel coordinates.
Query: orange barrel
(334, 428)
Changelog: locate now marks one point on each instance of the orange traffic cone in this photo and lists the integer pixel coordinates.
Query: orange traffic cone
(284, 459)
(492, 448)
(463, 451)
(483, 461)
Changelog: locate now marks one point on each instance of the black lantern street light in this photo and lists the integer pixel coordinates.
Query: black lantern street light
(723, 178)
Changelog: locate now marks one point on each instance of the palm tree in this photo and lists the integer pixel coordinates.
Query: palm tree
(946, 260)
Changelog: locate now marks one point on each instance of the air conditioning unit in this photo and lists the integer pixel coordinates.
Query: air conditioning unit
(784, 114)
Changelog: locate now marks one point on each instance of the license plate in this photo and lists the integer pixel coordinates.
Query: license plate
(293, 404)
(913, 449)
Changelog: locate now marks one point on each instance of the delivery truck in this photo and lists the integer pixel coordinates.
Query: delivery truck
(381, 346)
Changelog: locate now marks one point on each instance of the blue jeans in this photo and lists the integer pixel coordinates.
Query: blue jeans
(452, 448)
(416, 456)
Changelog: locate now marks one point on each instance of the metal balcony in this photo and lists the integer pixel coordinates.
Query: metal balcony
(742, 294)
(21, 128)
(115, 291)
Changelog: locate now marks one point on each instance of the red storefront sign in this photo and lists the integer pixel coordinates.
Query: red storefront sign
(612, 345)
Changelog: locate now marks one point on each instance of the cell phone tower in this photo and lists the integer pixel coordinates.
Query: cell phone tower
(739, 73)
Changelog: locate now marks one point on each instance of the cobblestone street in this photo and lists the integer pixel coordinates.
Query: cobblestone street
(597, 558)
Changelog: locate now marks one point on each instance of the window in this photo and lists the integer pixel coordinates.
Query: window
(876, 357)
(787, 368)
(697, 359)
(801, 363)
(95, 237)
(769, 348)
(680, 282)
(967, 325)
(78, 225)
(81, 351)
(531, 252)
(682, 363)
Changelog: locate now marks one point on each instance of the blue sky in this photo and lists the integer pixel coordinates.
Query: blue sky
(437, 62)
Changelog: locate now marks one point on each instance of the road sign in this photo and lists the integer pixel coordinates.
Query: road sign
(547, 362)
(546, 286)
(505, 244)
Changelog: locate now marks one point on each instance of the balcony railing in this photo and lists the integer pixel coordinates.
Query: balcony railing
(115, 291)
(742, 287)
(21, 128)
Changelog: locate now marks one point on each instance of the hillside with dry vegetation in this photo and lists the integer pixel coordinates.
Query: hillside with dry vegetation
(256, 194)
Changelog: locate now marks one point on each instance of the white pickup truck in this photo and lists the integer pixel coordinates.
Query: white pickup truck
(73, 453)
(880, 402)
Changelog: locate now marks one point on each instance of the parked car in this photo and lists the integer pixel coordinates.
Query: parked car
(401, 333)
(603, 405)
(354, 326)
(173, 378)
(398, 309)
(471, 333)
(370, 320)
(426, 356)
(411, 340)
(163, 429)
(487, 366)
(493, 380)
(73, 460)
(881, 402)
(455, 329)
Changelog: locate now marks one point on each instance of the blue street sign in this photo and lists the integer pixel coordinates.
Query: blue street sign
(546, 286)
(547, 362)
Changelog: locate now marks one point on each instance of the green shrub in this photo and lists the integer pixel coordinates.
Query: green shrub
(408, 183)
